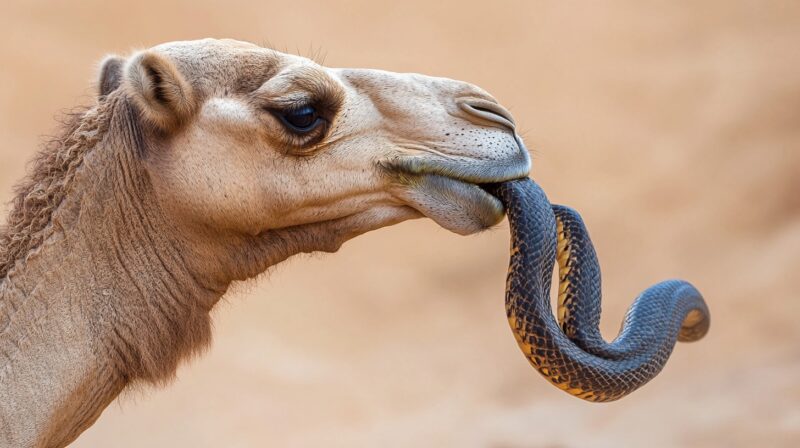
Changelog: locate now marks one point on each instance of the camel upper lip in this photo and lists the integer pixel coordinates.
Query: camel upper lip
(478, 172)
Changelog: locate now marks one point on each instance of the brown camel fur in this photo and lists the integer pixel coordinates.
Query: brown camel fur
(202, 163)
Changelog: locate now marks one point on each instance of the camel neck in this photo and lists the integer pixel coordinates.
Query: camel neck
(53, 374)
(105, 300)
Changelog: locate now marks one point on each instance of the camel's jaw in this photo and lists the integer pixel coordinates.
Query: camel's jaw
(450, 191)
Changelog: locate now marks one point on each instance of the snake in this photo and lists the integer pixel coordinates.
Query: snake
(570, 352)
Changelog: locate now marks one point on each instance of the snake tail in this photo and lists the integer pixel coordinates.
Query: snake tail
(570, 352)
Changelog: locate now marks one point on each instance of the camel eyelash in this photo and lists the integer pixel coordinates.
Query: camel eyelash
(304, 120)
(302, 130)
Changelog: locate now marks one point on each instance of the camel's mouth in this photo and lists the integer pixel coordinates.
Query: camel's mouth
(455, 195)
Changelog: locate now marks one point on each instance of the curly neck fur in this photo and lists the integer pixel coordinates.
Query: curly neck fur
(94, 293)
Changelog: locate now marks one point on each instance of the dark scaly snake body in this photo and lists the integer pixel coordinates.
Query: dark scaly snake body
(573, 355)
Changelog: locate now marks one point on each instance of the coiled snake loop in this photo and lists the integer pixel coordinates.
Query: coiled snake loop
(570, 352)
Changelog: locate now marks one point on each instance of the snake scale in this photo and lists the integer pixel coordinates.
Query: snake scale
(571, 353)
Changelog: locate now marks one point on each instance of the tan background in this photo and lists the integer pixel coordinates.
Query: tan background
(674, 127)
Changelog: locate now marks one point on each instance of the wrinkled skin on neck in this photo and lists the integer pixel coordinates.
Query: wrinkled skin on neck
(187, 178)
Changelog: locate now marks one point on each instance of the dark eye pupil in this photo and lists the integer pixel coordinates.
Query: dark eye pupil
(302, 118)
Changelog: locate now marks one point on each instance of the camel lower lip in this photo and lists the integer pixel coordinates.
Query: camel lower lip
(482, 191)
(461, 207)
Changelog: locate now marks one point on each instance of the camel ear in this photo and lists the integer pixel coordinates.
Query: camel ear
(110, 75)
(163, 94)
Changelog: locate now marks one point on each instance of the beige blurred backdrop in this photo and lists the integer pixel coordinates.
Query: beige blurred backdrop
(674, 127)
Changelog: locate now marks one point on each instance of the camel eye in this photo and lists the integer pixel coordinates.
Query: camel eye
(303, 119)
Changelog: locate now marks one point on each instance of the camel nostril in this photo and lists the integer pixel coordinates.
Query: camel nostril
(487, 110)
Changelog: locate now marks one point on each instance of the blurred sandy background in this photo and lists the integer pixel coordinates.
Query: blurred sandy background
(674, 129)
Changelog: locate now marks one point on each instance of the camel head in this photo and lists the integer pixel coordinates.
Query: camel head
(242, 141)
(203, 163)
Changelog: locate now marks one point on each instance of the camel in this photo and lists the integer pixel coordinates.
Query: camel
(202, 163)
